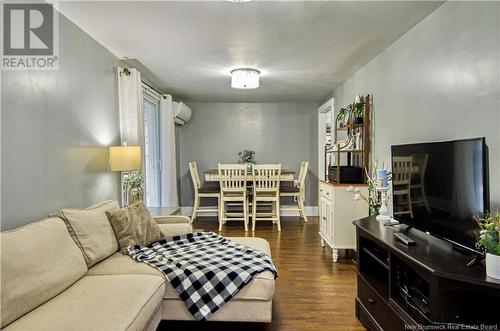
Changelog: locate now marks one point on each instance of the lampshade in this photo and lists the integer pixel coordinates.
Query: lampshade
(245, 78)
(125, 158)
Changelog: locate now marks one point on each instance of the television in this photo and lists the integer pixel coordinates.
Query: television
(439, 187)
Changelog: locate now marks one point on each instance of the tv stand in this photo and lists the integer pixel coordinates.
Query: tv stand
(405, 287)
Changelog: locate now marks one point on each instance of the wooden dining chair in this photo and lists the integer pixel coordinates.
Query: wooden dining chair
(401, 181)
(202, 192)
(266, 189)
(297, 191)
(233, 190)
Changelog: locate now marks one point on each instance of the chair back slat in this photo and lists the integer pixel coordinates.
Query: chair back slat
(401, 170)
(266, 177)
(193, 170)
(303, 174)
(232, 177)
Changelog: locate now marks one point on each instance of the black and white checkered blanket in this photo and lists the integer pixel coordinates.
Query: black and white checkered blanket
(205, 269)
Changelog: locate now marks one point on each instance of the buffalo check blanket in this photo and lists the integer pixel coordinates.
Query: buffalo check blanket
(205, 269)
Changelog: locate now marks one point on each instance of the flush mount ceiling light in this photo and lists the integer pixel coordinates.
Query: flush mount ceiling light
(245, 78)
(237, 1)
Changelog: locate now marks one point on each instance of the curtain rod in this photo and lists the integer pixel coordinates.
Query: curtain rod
(154, 89)
(127, 72)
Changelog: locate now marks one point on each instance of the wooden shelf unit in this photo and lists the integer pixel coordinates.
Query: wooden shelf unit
(358, 157)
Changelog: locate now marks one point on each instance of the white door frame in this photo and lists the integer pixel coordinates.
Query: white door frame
(326, 109)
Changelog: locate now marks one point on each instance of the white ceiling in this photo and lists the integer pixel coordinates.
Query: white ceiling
(303, 49)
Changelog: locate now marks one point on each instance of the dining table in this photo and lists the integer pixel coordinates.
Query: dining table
(212, 175)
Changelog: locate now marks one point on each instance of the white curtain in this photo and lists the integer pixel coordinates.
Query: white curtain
(130, 103)
(130, 107)
(167, 153)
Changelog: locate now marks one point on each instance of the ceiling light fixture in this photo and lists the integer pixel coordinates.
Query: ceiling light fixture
(237, 1)
(245, 78)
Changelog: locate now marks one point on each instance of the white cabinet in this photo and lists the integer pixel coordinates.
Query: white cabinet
(337, 211)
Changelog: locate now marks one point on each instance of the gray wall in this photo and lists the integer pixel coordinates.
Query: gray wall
(56, 126)
(283, 133)
(439, 81)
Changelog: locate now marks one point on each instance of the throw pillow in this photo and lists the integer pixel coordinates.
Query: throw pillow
(134, 226)
(91, 230)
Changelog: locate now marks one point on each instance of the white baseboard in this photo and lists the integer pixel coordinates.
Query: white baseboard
(310, 211)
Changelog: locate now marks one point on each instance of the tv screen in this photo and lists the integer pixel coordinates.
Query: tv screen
(438, 187)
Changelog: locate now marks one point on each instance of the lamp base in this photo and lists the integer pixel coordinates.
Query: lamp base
(125, 190)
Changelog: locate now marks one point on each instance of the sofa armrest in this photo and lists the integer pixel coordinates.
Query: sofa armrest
(174, 225)
(173, 219)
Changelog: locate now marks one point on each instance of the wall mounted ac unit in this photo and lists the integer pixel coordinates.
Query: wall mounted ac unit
(182, 113)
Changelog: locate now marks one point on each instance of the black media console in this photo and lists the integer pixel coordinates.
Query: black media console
(428, 285)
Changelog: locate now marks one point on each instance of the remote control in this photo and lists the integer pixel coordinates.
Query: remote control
(405, 239)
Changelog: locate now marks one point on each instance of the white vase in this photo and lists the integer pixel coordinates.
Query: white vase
(493, 265)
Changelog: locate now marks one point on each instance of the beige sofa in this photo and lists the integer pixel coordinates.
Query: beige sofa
(46, 285)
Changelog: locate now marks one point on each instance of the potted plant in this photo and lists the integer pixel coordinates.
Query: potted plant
(135, 193)
(247, 157)
(341, 116)
(489, 241)
(357, 112)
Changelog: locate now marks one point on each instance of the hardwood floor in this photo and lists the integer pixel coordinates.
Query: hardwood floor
(312, 292)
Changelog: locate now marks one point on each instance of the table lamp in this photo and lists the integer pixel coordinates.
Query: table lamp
(124, 159)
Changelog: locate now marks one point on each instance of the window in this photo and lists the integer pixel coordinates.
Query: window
(151, 149)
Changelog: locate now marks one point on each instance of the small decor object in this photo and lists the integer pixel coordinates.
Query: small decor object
(489, 241)
(247, 157)
(382, 178)
(135, 181)
(382, 186)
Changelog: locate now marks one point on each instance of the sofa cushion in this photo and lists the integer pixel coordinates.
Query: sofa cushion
(260, 288)
(91, 230)
(119, 264)
(119, 302)
(39, 261)
(134, 226)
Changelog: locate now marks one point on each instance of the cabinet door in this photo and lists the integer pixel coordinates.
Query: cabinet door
(322, 216)
(329, 221)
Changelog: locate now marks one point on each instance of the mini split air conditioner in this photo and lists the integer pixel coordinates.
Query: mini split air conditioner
(182, 113)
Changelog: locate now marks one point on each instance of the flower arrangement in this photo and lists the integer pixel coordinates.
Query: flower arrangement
(246, 156)
(135, 179)
(373, 199)
(489, 235)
